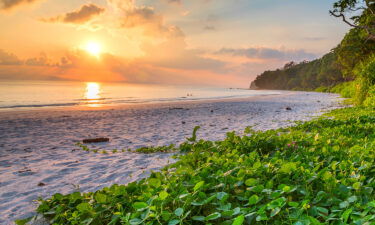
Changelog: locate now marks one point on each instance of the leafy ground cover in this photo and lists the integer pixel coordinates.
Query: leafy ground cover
(144, 150)
(318, 172)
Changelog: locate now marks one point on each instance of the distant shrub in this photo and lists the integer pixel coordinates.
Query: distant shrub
(370, 100)
(366, 79)
(346, 90)
(322, 89)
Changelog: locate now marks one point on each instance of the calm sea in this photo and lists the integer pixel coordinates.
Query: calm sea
(36, 94)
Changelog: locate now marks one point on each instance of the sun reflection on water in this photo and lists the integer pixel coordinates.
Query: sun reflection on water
(92, 94)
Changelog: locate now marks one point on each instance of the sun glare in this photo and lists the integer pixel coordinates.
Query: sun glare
(93, 48)
(92, 91)
(92, 94)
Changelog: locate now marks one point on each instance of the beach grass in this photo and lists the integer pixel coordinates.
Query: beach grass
(317, 172)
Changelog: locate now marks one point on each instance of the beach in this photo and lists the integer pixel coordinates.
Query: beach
(38, 156)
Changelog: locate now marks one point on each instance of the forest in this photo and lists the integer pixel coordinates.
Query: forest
(347, 66)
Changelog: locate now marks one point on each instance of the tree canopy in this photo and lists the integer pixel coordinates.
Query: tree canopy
(357, 14)
(337, 66)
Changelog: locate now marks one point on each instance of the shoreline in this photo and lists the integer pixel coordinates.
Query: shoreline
(38, 147)
(134, 105)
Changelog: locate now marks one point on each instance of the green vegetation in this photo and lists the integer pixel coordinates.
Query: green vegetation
(303, 76)
(144, 150)
(318, 172)
(154, 149)
(338, 66)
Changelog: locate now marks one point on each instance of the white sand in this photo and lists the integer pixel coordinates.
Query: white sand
(36, 145)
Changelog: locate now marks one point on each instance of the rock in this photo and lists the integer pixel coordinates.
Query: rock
(95, 140)
(288, 108)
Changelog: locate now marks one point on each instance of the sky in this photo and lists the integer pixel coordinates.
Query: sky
(190, 42)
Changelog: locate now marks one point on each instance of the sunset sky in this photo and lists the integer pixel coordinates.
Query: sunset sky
(201, 42)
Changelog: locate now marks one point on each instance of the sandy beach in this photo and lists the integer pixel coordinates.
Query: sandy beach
(38, 156)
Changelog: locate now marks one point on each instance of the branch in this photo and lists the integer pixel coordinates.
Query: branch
(356, 9)
(366, 28)
(369, 6)
(344, 19)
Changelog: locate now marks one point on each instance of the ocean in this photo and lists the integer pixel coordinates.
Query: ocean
(21, 95)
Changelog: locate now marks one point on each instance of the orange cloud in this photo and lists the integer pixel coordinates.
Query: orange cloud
(10, 4)
(79, 65)
(144, 17)
(81, 15)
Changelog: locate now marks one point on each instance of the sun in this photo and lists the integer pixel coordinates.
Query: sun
(93, 48)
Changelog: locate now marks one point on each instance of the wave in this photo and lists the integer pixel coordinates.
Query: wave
(127, 100)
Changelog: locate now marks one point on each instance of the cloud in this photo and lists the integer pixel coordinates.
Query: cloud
(209, 27)
(188, 68)
(144, 17)
(174, 1)
(173, 53)
(42, 60)
(9, 58)
(314, 38)
(10, 4)
(267, 53)
(81, 15)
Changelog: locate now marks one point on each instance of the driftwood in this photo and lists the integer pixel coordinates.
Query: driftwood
(95, 140)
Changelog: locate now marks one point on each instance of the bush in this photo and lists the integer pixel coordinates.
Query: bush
(322, 89)
(366, 79)
(346, 90)
(370, 100)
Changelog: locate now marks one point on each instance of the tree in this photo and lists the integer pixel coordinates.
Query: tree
(357, 13)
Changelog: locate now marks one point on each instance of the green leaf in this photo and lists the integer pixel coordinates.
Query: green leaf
(352, 199)
(84, 206)
(293, 204)
(222, 196)
(140, 206)
(100, 198)
(154, 182)
(371, 204)
(23, 221)
(251, 182)
(299, 223)
(135, 221)
(275, 211)
(344, 204)
(239, 220)
(198, 185)
(323, 210)
(194, 135)
(163, 195)
(174, 222)
(198, 218)
(346, 214)
(314, 221)
(179, 211)
(357, 185)
(253, 199)
(213, 216)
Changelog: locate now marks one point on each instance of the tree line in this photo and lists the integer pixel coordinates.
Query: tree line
(343, 63)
